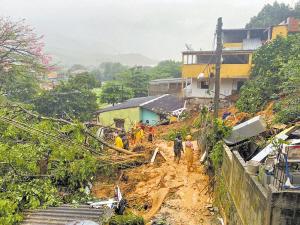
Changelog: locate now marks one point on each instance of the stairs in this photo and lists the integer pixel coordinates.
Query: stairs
(62, 215)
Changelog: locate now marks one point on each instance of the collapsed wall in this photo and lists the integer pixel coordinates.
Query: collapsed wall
(251, 203)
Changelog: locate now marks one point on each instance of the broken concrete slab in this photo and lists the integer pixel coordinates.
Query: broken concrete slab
(267, 150)
(248, 129)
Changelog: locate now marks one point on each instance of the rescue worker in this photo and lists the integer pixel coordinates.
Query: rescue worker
(125, 140)
(139, 135)
(178, 147)
(189, 153)
(118, 141)
(151, 134)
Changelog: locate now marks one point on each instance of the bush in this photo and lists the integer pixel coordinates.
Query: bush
(129, 219)
(184, 131)
(216, 155)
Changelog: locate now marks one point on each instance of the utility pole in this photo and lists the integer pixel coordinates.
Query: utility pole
(218, 66)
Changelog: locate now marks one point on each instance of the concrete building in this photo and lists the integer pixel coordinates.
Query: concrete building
(172, 86)
(151, 108)
(198, 67)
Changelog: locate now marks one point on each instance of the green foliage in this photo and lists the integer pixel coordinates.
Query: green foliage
(30, 147)
(110, 70)
(114, 92)
(183, 131)
(216, 155)
(134, 80)
(288, 110)
(272, 15)
(127, 219)
(166, 69)
(73, 98)
(275, 76)
(18, 84)
(137, 80)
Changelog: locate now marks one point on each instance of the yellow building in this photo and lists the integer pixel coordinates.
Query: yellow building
(198, 67)
(286, 27)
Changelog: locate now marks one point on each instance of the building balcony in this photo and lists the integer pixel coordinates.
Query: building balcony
(227, 70)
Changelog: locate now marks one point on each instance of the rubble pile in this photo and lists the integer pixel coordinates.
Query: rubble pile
(272, 152)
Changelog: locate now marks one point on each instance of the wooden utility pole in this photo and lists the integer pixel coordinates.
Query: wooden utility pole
(218, 66)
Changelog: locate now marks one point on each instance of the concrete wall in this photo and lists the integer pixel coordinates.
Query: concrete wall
(254, 204)
(226, 88)
(248, 195)
(130, 115)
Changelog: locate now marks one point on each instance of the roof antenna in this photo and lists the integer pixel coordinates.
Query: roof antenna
(188, 47)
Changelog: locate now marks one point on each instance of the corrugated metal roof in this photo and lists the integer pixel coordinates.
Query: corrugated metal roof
(62, 215)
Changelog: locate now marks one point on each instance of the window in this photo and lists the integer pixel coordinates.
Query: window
(202, 84)
(119, 123)
(235, 59)
(206, 59)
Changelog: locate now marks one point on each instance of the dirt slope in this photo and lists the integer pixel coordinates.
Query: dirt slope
(165, 190)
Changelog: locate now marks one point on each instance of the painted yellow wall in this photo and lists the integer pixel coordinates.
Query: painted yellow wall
(130, 115)
(233, 45)
(227, 70)
(280, 30)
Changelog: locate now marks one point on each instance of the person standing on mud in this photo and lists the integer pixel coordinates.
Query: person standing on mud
(118, 141)
(178, 147)
(189, 153)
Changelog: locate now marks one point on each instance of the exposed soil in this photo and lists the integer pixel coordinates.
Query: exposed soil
(165, 190)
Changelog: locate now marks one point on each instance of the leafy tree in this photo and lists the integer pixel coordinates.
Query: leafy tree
(136, 78)
(85, 81)
(19, 85)
(73, 98)
(270, 15)
(31, 146)
(110, 70)
(166, 69)
(275, 76)
(113, 92)
(19, 45)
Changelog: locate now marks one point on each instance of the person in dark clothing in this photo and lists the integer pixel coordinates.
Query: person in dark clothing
(125, 140)
(178, 147)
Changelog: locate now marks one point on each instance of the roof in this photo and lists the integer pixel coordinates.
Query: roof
(65, 214)
(165, 104)
(167, 80)
(242, 29)
(158, 104)
(130, 103)
(224, 51)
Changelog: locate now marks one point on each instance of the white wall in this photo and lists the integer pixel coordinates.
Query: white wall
(226, 87)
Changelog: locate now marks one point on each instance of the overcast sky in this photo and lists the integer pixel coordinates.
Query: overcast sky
(158, 29)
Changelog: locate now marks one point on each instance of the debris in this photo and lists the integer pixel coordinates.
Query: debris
(111, 203)
(203, 157)
(157, 200)
(154, 155)
(267, 150)
(252, 167)
(246, 130)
